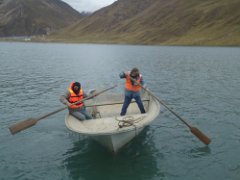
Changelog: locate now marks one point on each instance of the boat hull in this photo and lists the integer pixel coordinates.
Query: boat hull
(114, 142)
(108, 128)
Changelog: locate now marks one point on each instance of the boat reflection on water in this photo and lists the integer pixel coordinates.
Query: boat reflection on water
(89, 160)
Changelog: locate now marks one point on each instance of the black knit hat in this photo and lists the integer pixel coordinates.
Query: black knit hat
(77, 84)
(79, 87)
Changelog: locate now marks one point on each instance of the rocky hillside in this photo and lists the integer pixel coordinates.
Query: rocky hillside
(34, 17)
(176, 22)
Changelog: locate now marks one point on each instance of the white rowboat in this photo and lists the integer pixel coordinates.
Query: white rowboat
(108, 127)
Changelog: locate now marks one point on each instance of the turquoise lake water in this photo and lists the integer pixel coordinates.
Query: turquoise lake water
(202, 84)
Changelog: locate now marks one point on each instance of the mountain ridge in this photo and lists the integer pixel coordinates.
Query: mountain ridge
(173, 22)
(34, 17)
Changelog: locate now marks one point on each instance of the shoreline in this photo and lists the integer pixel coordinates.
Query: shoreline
(34, 39)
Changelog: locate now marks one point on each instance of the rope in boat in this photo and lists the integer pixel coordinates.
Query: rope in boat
(128, 121)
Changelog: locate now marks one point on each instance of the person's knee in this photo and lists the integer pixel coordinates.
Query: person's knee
(138, 100)
(83, 118)
(78, 115)
(86, 114)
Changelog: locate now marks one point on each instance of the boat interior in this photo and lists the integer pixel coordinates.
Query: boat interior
(106, 109)
(110, 105)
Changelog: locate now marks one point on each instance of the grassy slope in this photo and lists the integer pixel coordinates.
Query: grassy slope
(175, 22)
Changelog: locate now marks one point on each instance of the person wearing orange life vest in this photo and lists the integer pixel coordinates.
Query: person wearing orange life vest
(75, 93)
(132, 90)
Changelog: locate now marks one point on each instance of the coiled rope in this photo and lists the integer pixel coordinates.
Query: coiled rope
(128, 121)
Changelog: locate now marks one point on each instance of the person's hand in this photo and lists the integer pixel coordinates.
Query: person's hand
(69, 104)
(145, 86)
(91, 92)
(122, 75)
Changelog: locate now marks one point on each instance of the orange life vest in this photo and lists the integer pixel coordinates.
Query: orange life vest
(75, 97)
(130, 86)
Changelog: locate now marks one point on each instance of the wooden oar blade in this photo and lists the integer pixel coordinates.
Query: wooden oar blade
(15, 128)
(200, 135)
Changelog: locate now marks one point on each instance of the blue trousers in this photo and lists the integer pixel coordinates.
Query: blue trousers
(81, 113)
(129, 95)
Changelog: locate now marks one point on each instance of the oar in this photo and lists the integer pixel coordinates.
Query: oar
(15, 128)
(194, 130)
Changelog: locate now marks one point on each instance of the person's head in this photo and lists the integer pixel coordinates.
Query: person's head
(134, 73)
(76, 87)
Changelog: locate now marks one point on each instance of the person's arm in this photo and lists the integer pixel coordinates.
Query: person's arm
(142, 83)
(64, 99)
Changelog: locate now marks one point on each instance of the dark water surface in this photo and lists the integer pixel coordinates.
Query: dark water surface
(202, 84)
